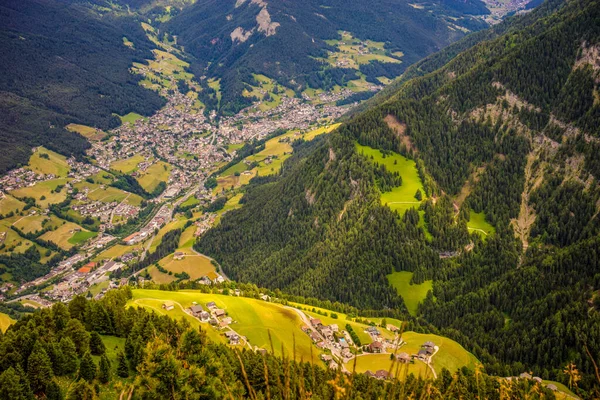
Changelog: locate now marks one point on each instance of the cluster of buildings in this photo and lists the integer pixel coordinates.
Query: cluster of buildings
(330, 337)
(216, 317)
(79, 170)
(21, 177)
(292, 113)
(161, 218)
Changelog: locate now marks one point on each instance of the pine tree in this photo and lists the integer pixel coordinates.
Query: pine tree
(76, 331)
(53, 391)
(122, 368)
(10, 385)
(39, 368)
(81, 390)
(96, 344)
(104, 369)
(69, 356)
(87, 368)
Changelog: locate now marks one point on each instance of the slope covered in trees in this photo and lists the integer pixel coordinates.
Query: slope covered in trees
(63, 62)
(506, 127)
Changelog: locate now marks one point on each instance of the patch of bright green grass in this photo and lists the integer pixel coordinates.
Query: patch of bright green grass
(82, 236)
(412, 294)
(130, 118)
(400, 198)
(477, 223)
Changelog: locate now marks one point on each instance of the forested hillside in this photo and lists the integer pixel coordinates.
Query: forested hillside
(507, 128)
(100, 349)
(64, 62)
(290, 41)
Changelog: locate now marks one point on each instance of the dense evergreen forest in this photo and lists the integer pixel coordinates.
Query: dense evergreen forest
(302, 29)
(505, 124)
(55, 71)
(51, 354)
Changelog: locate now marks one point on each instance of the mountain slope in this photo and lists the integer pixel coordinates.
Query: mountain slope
(289, 41)
(508, 127)
(64, 62)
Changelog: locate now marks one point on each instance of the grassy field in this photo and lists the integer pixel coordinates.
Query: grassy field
(62, 235)
(450, 355)
(31, 303)
(43, 189)
(234, 146)
(158, 172)
(196, 266)
(239, 167)
(374, 362)
(252, 318)
(177, 223)
(191, 201)
(477, 223)
(412, 294)
(308, 136)
(81, 236)
(130, 118)
(14, 243)
(5, 322)
(187, 239)
(87, 131)
(401, 198)
(55, 163)
(108, 194)
(117, 251)
(10, 204)
(128, 165)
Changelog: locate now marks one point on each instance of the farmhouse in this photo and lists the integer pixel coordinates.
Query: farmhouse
(422, 355)
(403, 358)
(212, 305)
(196, 310)
(315, 336)
(178, 255)
(315, 322)
(375, 347)
(204, 316)
(168, 306)
(326, 357)
(219, 313)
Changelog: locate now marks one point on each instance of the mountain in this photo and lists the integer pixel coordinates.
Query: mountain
(504, 137)
(65, 62)
(296, 42)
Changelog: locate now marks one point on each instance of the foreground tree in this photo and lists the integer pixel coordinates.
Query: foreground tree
(81, 390)
(87, 369)
(39, 369)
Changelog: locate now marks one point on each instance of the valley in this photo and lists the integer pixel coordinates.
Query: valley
(256, 199)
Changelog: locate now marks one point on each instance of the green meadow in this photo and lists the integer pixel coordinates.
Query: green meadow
(400, 198)
(252, 318)
(450, 355)
(412, 294)
(44, 161)
(477, 223)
